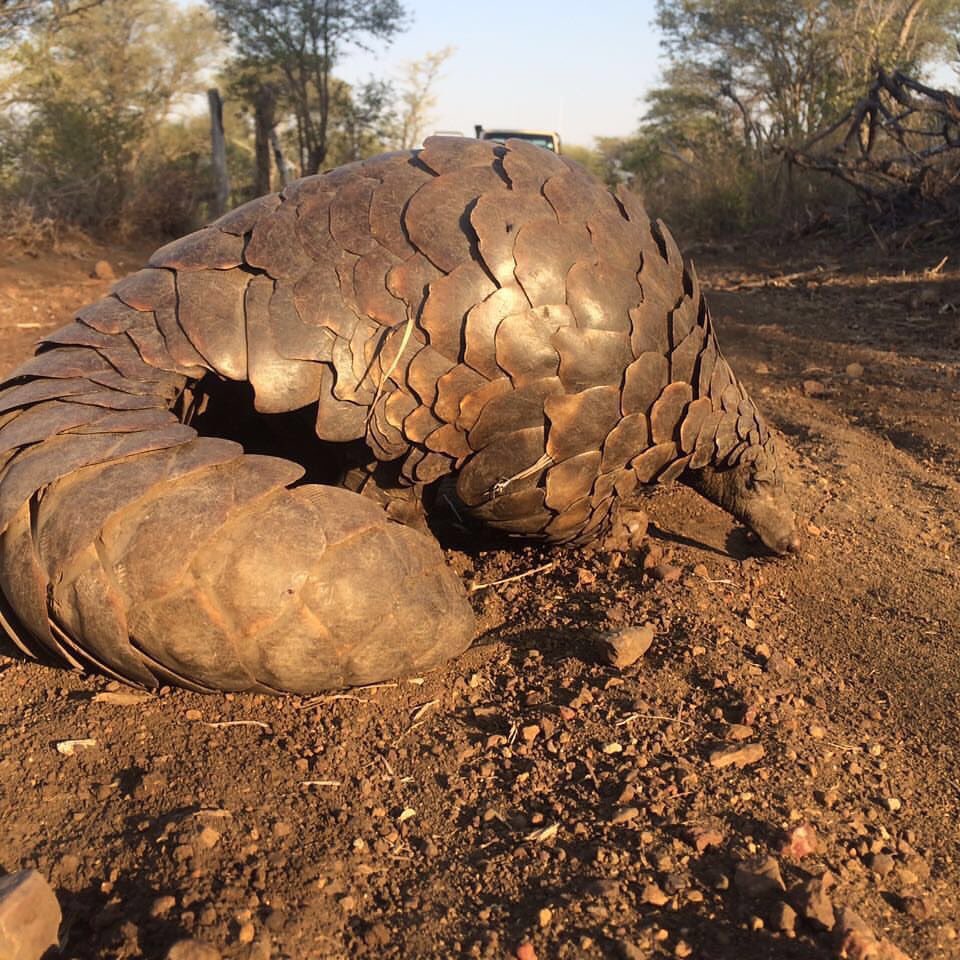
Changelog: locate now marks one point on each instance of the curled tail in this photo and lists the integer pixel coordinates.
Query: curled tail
(131, 545)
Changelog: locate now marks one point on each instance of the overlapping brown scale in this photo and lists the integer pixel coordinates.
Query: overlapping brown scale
(90, 606)
(667, 412)
(496, 218)
(36, 391)
(524, 348)
(313, 221)
(527, 167)
(472, 404)
(319, 303)
(670, 251)
(568, 524)
(394, 363)
(344, 264)
(152, 347)
(25, 584)
(138, 388)
(437, 216)
(653, 460)
(730, 398)
(149, 289)
(183, 352)
(744, 425)
(580, 421)
(575, 196)
(124, 421)
(674, 470)
(400, 180)
(511, 453)
(726, 436)
(109, 315)
(432, 467)
(509, 413)
(211, 313)
(720, 380)
(38, 466)
(643, 382)
(207, 249)
(119, 350)
(449, 440)
(420, 423)
(117, 400)
(350, 215)
(446, 307)
(683, 320)
(45, 420)
(243, 218)
(683, 360)
(706, 446)
(648, 332)
(279, 383)
(398, 407)
(296, 322)
(423, 372)
(450, 154)
(591, 358)
(275, 245)
(571, 480)
(629, 437)
(544, 251)
(353, 381)
(370, 281)
(481, 327)
(386, 441)
(615, 239)
(601, 297)
(632, 206)
(708, 358)
(520, 512)
(337, 420)
(410, 281)
(693, 420)
(452, 387)
(65, 363)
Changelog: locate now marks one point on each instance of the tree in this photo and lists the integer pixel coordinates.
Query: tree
(302, 40)
(417, 98)
(88, 93)
(18, 16)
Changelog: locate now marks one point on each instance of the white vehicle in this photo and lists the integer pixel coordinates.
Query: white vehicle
(548, 139)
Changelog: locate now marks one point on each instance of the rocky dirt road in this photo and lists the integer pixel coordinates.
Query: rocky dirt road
(778, 776)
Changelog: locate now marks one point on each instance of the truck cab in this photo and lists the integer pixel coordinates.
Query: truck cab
(548, 139)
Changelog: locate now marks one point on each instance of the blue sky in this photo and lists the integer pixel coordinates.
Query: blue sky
(578, 68)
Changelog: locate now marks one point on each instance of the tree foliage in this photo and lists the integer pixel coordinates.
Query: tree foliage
(300, 41)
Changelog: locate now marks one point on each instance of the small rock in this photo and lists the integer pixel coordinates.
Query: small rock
(893, 804)
(29, 916)
(192, 950)
(208, 838)
(739, 731)
(665, 572)
(881, 863)
(628, 646)
(813, 388)
(193, 715)
(544, 917)
(812, 900)
(759, 878)
(630, 951)
(761, 368)
(652, 894)
(858, 942)
(377, 935)
(246, 933)
(102, 270)
(920, 908)
(682, 949)
(530, 732)
(800, 842)
(854, 370)
(704, 837)
(783, 917)
(162, 906)
(625, 815)
(525, 952)
(737, 756)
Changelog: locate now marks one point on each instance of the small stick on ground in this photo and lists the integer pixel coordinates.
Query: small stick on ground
(239, 723)
(474, 587)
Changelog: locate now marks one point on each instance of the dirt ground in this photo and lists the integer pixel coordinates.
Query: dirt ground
(529, 800)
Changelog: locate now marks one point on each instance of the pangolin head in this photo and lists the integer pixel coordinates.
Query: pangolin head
(753, 492)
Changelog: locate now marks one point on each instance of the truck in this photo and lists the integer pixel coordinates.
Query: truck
(548, 139)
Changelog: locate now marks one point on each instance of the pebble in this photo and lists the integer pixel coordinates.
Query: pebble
(665, 572)
(704, 837)
(652, 894)
(783, 917)
(246, 933)
(856, 939)
(628, 646)
(739, 731)
(208, 838)
(813, 388)
(881, 863)
(759, 878)
(854, 370)
(29, 916)
(737, 756)
(192, 950)
(162, 905)
(525, 952)
(625, 814)
(102, 270)
(800, 842)
(544, 917)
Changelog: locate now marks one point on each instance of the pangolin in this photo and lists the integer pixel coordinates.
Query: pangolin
(488, 312)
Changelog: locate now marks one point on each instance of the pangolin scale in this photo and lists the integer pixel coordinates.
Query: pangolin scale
(483, 311)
